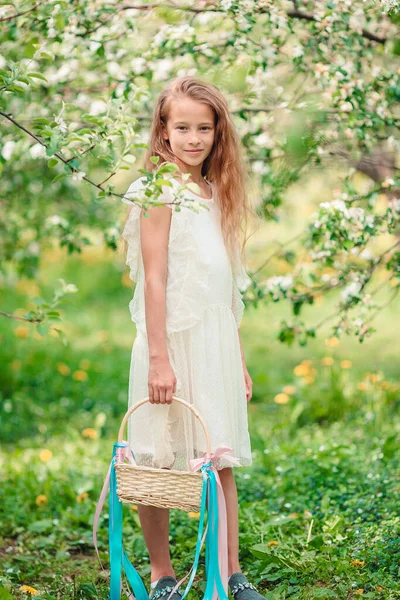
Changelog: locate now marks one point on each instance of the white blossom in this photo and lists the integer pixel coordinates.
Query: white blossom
(8, 149)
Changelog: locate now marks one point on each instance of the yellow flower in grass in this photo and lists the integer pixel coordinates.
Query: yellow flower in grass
(358, 563)
(359, 591)
(194, 515)
(346, 364)
(80, 375)
(84, 364)
(41, 500)
(327, 361)
(273, 543)
(379, 588)
(289, 389)
(63, 369)
(90, 433)
(309, 379)
(373, 377)
(133, 507)
(332, 342)
(385, 385)
(363, 386)
(281, 399)
(126, 280)
(82, 497)
(301, 370)
(45, 455)
(29, 590)
(21, 331)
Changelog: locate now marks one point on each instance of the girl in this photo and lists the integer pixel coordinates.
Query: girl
(187, 307)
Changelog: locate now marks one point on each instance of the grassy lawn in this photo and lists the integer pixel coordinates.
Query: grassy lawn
(319, 508)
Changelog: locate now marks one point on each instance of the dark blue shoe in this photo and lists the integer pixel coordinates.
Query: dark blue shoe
(242, 589)
(164, 587)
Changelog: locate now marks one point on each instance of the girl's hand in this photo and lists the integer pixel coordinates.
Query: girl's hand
(161, 382)
(249, 384)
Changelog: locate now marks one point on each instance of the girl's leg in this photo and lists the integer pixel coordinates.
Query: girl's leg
(155, 526)
(229, 486)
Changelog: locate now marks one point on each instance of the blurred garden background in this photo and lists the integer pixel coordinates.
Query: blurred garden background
(314, 89)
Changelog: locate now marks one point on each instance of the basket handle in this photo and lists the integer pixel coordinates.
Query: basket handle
(141, 402)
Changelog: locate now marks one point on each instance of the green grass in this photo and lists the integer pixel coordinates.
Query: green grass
(321, 495)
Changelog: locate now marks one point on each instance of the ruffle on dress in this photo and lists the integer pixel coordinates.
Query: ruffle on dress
(240, 282)
(188, 269)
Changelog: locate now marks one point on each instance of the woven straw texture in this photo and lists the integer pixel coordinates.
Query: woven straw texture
(165, 488)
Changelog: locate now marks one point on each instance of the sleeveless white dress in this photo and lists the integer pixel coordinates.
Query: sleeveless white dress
(204, 309)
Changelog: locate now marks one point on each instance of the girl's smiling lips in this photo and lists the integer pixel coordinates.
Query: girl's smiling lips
(194, 151)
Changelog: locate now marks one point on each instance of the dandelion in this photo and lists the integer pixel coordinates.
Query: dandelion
(194, 515)
(358, 563)
(82, 497)
(309, 379)
(133, 507)
(385, 385)
(90, 433)
(84, 364)
(126, 280)
(45, 455)
(346, 364)
(379, 588)
(21, 331)
(373, 377)
(281, 399)
(332, 342)
(29, 590)
(363, 386)
(41, 500)
(80, 375)
(301, 370)
(359, 591)
(273, 543)
(327, 361)
(103, 335)
(289, 389)
(63, 369)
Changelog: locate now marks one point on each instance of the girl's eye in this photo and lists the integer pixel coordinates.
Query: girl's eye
(183, 127)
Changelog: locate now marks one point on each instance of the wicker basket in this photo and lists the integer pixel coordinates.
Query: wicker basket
(165, 488)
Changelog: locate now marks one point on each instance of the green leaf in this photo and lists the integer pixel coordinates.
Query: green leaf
(4, 594)
(155, 159)
(43, 328)
(59, 176)
(52, 162)
(161, 182)
(36, 75)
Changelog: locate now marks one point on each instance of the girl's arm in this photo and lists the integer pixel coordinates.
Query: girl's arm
(154, 235)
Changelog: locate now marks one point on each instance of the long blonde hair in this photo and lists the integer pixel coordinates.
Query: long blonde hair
(224, 167)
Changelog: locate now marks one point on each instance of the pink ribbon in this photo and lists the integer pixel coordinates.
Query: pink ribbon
(195, 464)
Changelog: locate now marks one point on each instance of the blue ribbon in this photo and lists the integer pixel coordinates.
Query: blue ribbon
(119, 559)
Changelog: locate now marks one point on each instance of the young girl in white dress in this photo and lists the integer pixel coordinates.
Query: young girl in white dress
(187, 307)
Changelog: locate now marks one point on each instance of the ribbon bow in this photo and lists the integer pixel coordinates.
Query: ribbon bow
(221, 452)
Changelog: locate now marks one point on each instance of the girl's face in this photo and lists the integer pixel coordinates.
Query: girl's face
(190, 127)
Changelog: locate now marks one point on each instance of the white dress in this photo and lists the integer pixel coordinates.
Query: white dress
(204, 309)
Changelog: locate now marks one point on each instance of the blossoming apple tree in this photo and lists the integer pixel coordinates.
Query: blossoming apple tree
(310, 84)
